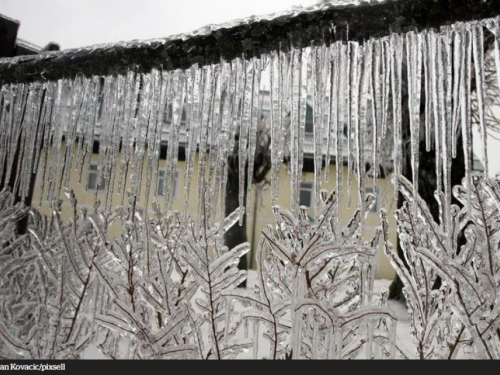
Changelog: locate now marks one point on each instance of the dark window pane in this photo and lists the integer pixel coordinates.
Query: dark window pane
(92, 181)
(309, 127)
(161, 187)
(305, 198)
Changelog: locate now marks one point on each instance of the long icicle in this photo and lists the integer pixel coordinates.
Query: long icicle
(244, 129)
(396, 48)
(445, 68)
(342, 119)
(465, 109)
(276, 141)
(254, 123)
(353, 111)
(477, 45)
(414, 57)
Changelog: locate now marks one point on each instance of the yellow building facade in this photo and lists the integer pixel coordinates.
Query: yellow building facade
(260, 214)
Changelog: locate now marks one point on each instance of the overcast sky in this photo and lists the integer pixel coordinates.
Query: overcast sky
(78, 23)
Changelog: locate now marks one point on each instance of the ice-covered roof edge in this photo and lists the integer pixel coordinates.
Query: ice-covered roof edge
(249, 37)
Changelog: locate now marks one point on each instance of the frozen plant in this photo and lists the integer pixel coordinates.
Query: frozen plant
(314, 291)
(460, 318)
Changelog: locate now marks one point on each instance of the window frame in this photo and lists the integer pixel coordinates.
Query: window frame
(161, 177)
(309, 187)
(95, 172)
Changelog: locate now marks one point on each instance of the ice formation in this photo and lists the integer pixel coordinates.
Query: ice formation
(166, 286)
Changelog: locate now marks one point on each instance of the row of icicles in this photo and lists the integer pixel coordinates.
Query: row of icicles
(354, 88)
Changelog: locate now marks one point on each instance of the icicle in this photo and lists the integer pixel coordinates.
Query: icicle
(386, 72)
(353, 52)
(205, 117)
(466, 112)
(254, 123)
(427, 87)
(365, 73)
(447, 126)
(4, 93)
(141, 135)
(330, 72)
(33, 115)
(286, 62)
(477, 45)
(57, 138)
(298, 120)
(18, 102)
(457, 58)
(414, 56)
(193, 120)
(105, 126)
(435, 53)
(276, 135)
(244, 130)
(304, 88)
(91, 125)
(179, 83)
(295, 127)
(131, 102)
(154, 135)
(318, 66)
(226, 133)
(50, 94)
(396, 48)
(115, 139)
(79, 96)
(214, 140)
(342, 119)
(377, 106)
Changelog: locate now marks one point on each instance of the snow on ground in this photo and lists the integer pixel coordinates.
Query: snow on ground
(404, 339)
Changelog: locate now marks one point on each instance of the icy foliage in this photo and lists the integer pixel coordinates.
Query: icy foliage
(68, 285)
(314, 292)
(452, 278)
(165, 287)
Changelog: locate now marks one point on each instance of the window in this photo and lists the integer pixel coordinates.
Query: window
(309, 120)
(375, 207)
(306, 193)
(161, 185)
(309, 127)
(93, 178)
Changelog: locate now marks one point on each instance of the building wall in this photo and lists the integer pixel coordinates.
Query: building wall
(263, 211)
